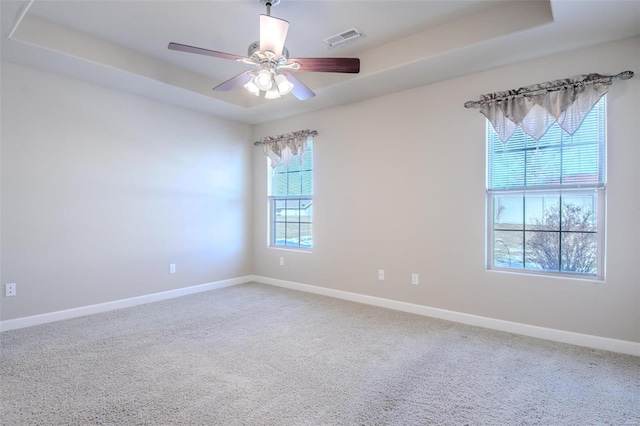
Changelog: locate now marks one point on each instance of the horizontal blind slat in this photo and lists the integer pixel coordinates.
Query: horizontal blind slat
(556, 160)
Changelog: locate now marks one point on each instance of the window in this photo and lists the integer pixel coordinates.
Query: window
(545, 199)
(291, 202)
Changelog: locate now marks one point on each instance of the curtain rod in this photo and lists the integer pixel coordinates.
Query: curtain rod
(286, 135)
(625, 75)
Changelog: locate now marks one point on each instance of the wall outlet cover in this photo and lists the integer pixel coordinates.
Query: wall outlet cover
(10, 290)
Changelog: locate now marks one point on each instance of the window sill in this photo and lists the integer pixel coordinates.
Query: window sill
(294, 249)
(528, 273)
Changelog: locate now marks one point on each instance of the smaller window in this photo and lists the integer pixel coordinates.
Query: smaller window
(291, 202)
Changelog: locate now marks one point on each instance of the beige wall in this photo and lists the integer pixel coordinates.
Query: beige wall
(102, 190)
(400, 186)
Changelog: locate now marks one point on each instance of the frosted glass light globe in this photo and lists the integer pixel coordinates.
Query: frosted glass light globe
(263, 80)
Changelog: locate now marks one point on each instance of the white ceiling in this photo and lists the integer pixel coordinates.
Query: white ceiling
(123, 44)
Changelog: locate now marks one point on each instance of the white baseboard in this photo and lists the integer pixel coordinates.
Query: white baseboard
(596, 342)
(14, 324)
(578, 339)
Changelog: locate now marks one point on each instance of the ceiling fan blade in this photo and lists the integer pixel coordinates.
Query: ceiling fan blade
(201, 51)
(299, 90)
(234, 82)
(273, 32)
(343, 65)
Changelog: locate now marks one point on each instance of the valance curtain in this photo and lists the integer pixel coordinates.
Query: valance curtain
(535, 108)
(282, 149)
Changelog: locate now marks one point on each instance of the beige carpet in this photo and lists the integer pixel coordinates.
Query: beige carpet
(259, 355)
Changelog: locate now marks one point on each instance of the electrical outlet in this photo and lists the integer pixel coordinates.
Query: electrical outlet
(172, 268)
(381, 274)
(282, 261)
(10, 289)
(415, 279)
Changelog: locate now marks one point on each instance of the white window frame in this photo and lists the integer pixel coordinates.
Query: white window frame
(600, 196)
(600, 235)
(272, 216)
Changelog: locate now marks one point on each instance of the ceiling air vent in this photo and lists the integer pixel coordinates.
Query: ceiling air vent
(344, 37)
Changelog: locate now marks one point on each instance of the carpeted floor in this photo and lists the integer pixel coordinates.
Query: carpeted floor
(260, 355)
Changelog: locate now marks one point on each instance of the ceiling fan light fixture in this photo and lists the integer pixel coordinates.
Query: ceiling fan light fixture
(263, 80)
(272, 93)
(252, 88)
(284, 86)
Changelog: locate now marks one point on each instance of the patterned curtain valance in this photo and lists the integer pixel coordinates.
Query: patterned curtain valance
(535, 108)
(282, 148)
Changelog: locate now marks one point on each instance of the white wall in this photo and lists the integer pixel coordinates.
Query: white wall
(101, 190)
(400, 185)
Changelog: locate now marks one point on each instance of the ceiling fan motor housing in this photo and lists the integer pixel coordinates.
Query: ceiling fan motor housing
(254, 49)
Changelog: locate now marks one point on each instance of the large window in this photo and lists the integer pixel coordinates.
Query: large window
(291, 202)
(545, 199)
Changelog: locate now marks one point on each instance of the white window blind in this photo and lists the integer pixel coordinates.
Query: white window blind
(557, 160)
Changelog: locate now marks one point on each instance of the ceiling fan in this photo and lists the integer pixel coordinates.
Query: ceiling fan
(272, 75)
